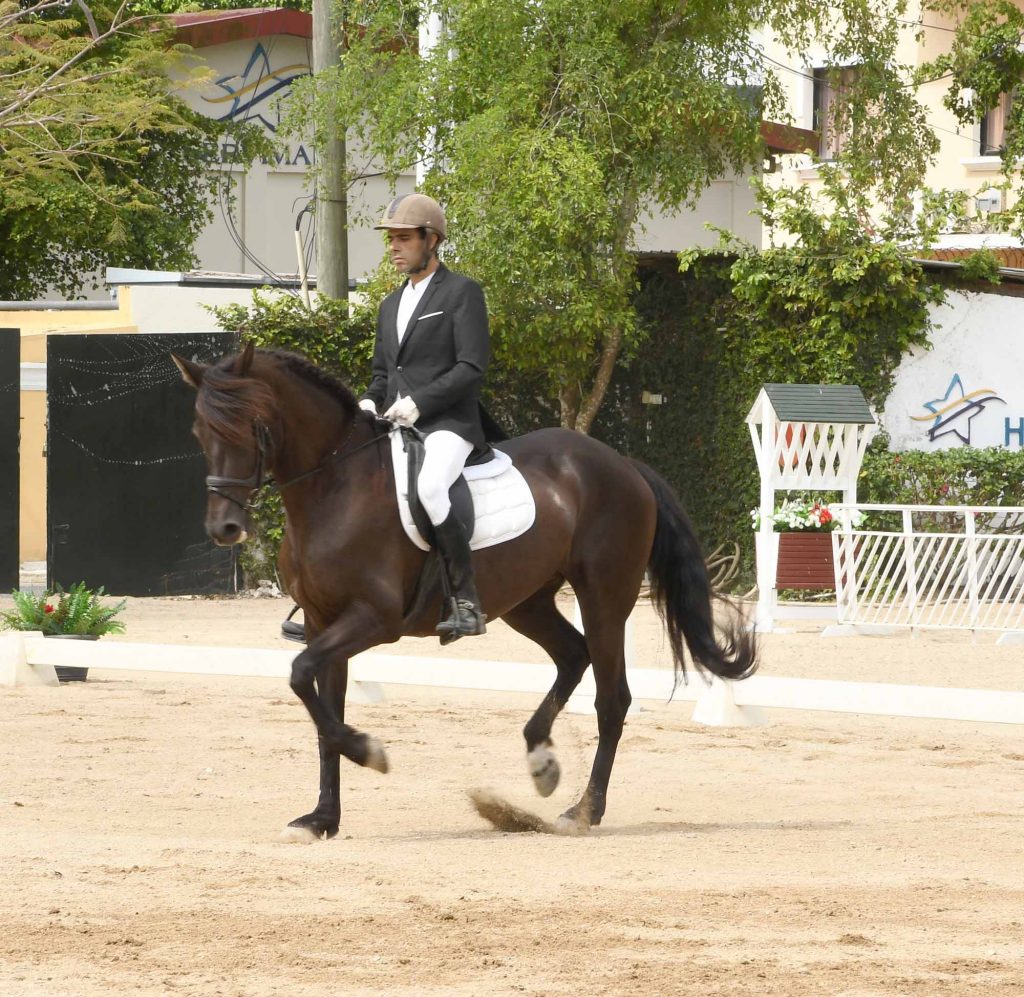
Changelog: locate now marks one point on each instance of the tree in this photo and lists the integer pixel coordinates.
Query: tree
(550, 124)
(99, 163)
(836, 302)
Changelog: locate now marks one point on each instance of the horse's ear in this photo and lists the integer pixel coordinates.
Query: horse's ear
(191, 373)
(245, 359)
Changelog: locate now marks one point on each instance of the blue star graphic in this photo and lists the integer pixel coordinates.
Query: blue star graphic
(950, 418)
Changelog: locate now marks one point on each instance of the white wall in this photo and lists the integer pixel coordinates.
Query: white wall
(970, 385)
(174, 308)
(727, 203)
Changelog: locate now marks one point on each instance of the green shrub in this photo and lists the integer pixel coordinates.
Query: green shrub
(989, 476)
(78, 611)
(960, 476)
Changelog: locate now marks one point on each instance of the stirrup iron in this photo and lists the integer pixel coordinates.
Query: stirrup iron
(464, 620)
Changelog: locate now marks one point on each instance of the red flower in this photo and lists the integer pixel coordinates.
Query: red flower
(824, 516)
(47, 608)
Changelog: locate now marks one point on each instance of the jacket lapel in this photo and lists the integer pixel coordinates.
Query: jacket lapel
(421, 308)
(389, 320)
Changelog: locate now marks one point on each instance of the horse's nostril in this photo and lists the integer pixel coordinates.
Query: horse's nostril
(225, 534)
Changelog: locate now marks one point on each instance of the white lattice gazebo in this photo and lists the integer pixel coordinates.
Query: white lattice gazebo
(807, 437)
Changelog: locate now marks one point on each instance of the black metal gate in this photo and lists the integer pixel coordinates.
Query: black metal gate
(124, 475)
(10, 468)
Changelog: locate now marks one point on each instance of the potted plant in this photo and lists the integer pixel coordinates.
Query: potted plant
(805, 547)
(77, 614)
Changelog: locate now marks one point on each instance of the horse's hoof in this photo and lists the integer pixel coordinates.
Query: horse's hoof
(308, 828)
(294, 834)
(578, 819)
(572, 824)
(544, 769)
(376, 756)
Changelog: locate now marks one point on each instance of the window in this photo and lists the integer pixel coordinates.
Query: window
(829, 87)
(993, 125)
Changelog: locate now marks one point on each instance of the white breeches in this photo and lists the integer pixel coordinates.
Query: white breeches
(443, 462)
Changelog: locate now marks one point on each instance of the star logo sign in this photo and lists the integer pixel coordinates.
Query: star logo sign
(246, 95)
(952, 413)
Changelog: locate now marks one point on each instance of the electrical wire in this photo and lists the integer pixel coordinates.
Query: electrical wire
(224, 204)
(841, 89)
(921, 24)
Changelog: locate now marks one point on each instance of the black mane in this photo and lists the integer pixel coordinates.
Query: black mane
(308, 371)
(232, 404)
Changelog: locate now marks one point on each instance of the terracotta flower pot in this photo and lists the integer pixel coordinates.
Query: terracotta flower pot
(805, 561)
(71, 673)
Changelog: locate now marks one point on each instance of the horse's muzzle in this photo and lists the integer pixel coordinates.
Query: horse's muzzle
(226, 532)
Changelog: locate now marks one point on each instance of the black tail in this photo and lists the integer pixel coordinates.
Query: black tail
(682, 594)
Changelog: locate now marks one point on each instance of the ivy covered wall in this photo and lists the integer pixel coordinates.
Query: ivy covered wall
(707, 353)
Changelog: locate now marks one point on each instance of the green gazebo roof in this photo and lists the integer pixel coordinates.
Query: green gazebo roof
(838, 403)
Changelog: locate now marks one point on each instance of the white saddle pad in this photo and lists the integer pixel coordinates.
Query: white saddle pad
(502, 501)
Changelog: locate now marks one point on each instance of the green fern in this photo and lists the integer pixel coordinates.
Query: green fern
(78, 611)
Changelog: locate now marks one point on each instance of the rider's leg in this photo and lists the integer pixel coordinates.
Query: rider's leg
(444, 458)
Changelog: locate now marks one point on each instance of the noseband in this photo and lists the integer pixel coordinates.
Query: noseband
(215, 482)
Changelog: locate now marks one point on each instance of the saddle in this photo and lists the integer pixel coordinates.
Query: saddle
(459, 494)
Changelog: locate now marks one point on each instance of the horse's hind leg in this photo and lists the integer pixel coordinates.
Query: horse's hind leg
(539, 619)
(606, 639)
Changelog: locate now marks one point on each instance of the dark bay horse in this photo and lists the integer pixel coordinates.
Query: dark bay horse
(602, 521)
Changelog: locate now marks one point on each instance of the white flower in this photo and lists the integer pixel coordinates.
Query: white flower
(801, 514)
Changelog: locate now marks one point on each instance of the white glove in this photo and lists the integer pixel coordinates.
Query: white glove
(368, 405)
(404, 412)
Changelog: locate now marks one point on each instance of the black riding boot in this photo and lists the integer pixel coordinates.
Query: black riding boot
(465, 617)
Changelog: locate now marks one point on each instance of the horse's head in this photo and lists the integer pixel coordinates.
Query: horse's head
(234, 421)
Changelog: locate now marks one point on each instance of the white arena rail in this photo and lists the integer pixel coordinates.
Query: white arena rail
(30, 659)
(960, 577)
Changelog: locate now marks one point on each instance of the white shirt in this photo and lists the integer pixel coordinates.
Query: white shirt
(411, 296)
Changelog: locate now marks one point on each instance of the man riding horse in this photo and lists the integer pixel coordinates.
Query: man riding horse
(431, 351)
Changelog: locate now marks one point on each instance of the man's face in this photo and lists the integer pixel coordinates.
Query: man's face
(409, 250)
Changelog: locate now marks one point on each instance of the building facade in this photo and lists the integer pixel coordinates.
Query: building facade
(968, 158)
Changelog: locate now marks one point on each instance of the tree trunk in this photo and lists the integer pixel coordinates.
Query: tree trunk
(603, 377)
(590, 403)
(569, 400)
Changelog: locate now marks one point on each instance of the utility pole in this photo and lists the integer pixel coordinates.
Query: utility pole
(430, 36)
(331, 193)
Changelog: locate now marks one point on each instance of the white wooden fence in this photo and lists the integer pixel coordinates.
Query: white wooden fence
(937, 567)
(30, 659)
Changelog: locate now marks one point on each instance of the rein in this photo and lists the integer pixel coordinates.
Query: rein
(258, 480)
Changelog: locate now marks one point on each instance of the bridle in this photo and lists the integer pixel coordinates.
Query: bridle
(215, 482)
(259, 479)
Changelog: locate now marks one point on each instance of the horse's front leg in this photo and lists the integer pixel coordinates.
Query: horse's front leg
(324, 819)
(319, 678)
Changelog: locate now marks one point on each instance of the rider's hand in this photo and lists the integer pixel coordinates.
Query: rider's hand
(404, 412)
(367, 405)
